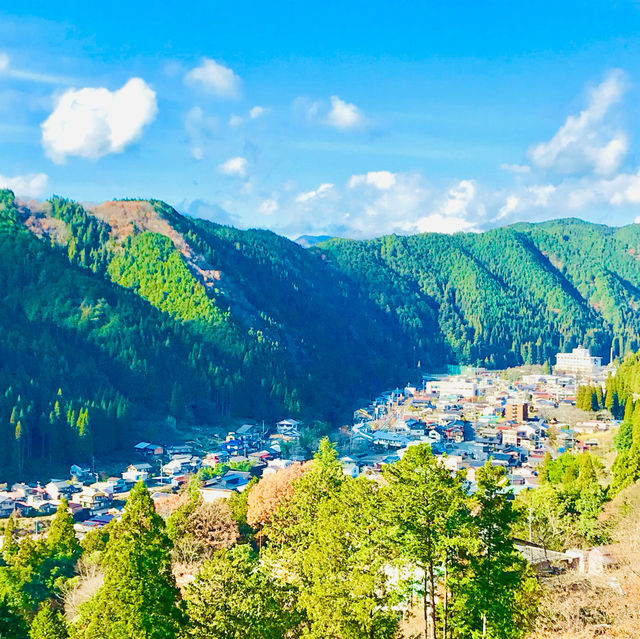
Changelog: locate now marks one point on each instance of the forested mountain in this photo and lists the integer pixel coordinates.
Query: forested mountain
(126, 312)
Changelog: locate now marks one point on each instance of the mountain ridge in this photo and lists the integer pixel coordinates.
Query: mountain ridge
(201, 320)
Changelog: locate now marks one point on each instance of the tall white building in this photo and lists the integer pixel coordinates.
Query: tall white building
(578, 362)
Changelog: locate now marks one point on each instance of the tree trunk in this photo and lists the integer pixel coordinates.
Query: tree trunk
(445, 617)
(425, 605)
(430, 602)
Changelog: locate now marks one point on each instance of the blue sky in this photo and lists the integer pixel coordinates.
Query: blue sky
(355, 119)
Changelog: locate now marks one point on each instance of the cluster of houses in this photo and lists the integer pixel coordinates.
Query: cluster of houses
(477, 416)
(163, 468)
(467, 419)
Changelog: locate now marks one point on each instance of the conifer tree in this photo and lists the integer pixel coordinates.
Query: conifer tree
(61, 539)
(235, 598)
(496, 597)
(139, 598)
(12, 626)
(48, 624)
(10, 545)
(428, 506)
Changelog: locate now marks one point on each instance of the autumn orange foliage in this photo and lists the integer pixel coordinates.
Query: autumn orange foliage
(272, 490)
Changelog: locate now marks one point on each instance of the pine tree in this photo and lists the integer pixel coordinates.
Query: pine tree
(176, 404)
(12, 626)
(10, 546)
(497, 595)
(48, 624)
(139, 598)
(233, 597)
(61, 539)
(428, 506)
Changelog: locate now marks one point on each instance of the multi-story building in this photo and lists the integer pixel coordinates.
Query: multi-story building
(517, 412)
(578, 362)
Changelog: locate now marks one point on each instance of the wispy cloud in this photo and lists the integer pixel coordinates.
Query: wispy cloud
(585, 142)
(213, 77)
(7, 69)
(234, 166)
(30, 185)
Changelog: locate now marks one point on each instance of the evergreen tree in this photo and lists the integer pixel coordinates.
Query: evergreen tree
(496, 597)
(346, 590)
(48, 624)
(429, 509)
(232, 597)
(9, 543)
(61, 538)
(139, 598)
(12, 625)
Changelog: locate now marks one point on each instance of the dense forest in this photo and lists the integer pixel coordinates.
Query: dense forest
(115, 316)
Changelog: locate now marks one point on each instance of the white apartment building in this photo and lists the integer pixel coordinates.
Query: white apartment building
(578, 362)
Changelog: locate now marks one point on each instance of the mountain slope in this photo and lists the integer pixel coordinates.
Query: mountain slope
(117, 314)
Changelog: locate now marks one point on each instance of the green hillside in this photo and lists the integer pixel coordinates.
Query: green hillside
(115, 316)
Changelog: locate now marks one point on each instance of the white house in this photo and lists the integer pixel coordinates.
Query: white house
(137, 472)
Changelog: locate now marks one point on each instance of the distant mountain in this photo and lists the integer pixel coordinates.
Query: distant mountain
(117, 315)
(311, 240)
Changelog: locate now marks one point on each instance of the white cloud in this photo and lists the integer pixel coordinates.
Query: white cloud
(509, 207)
(518, 169)
(585, 142)
(541, 193)
(344, 115)
(94, 122)
(30, 185)
(200, 129)
(459, 197)
(256, 112)
(373, 204)
(234, 166)
(268, 207)
(4, 61)
(214, 78)
(322, 191)
(382, 180)
(438, 223)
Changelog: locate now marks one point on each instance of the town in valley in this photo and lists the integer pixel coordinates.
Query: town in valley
(468, 416)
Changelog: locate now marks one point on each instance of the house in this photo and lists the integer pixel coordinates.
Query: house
(178, 449)
(455, 432)
(92, 498)
(289, 428)
(99, 521)
(137, 472)
(147, 449)
(223, 487)
(117, 485)
(81, 473)
(213, 459)
(45, 507)
(58, 489)
(594, 561)
(7, 506)
(249, 434)
(389, 439)
(350, 467)
(262, 455)
(180, 465)
(543, 559)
